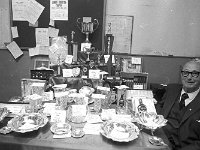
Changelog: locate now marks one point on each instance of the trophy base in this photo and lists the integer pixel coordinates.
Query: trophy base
(85, 46)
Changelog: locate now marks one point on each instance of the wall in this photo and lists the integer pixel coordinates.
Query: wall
(11, 73)
(162, 27)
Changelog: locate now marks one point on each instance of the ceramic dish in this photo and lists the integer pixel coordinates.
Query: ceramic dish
(3, 113)
(27, 122)
(120, 131)
(60, 128)
(151, 120)
(5, 130)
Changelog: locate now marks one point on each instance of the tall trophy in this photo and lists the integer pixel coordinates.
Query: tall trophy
(109, 39)
(87, 26)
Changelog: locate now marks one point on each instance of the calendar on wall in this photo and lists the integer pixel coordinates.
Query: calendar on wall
(120, 27)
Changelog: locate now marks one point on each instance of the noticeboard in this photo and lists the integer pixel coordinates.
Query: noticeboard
(76, 9)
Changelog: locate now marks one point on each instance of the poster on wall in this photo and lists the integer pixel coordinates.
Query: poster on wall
(120, 27)
(59, 9)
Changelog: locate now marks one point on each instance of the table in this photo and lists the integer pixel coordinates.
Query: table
(42, 139)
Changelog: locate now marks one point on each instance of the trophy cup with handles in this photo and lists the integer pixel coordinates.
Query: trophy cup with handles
(87, 26)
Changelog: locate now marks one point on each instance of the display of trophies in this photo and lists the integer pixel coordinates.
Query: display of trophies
(87, 26)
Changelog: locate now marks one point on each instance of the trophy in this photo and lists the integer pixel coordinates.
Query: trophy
(109, 39)
(87, 26)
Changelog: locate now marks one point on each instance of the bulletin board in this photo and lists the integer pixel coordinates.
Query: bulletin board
(76, 9)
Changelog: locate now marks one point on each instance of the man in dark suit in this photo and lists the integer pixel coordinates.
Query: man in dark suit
(180, 105)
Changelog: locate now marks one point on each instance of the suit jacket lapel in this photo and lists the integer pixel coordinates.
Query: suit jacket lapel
(192, 107)
(173, 95)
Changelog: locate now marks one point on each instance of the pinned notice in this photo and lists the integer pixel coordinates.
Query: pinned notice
(14, 32)
(14, 49)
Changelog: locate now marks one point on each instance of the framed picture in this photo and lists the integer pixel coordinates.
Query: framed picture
(41, 64)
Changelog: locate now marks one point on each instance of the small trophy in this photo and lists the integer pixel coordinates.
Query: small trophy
(87, 26)
(73, 47)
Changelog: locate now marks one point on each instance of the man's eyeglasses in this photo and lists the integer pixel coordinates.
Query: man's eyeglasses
(194, 74)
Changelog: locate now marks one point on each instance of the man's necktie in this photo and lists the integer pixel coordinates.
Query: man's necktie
(184, 96)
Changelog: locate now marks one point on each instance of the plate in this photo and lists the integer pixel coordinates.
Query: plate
(5, 130)
(27, 122)
(77, 133)
(60, 128)
(119, 131)
(151, 120)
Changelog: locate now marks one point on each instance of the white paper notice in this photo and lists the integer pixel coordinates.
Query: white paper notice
(58, 116)
(42, 36)
(53, 32)
(18, 7)
(39, 50)
(14, 49)
(136, 60)
(93, 118)
(67, 73)
(15, 109)
(92, 128)
(87, 19)
(139, 93)
(14, 32)
(49, 108)
(33, 11)
(59, 9)
(94, 74)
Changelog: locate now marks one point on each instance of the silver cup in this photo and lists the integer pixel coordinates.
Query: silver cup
(87, 27)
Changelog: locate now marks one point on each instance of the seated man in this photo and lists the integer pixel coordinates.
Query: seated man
(181, 107)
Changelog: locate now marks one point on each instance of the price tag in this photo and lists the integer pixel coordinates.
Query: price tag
(85, 46)
(106, 57)
(87, 19)
(136, 60)
(58, 116)
(67, 73)
(94, 74)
